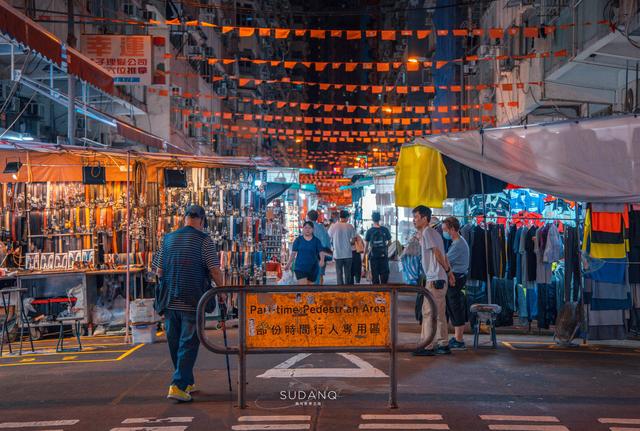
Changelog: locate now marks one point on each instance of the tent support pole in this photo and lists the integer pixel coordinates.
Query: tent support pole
(127, 338)
(486, 228)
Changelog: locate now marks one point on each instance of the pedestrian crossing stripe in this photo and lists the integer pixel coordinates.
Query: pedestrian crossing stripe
(285, 370)
(177, 419)
(273, 423)
(39, 424)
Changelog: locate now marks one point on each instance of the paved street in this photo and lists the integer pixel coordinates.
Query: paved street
(527, 384)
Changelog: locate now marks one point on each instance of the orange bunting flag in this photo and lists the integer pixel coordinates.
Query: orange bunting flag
(289, 64)
(413, 66)
(388, 34)
(243, 82)
(336, 33)
(513, 31)
(406, 33)
(419, 109)
(382, 67)
(376, 89)
(442, 32)
(336, 65)
(354, 34)
(507, 87)
(531, 32)
(401, 89)
(496, 33)
(440, 64)
(367, 66)
(371, 33)
(300, 33)
(317, 34)
(351, 88)
(350, 67)
(461, 32)
(320, 66)
(421, 34)
(246, 31)
(282, 33)
(429, 89)
(212, 60)
(228, 61)
(226, 29)
(264, 32)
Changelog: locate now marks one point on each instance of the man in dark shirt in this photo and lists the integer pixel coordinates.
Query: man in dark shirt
(377, 239)
(186, 264)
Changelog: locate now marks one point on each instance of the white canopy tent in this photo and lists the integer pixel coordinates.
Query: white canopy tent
(594, 160)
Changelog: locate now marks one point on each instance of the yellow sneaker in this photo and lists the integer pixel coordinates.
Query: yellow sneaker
(176, 394)
(191, 389)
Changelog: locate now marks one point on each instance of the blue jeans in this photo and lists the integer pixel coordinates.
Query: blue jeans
(183, 343)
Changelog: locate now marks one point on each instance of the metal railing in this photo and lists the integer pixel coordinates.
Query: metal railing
(241, 349)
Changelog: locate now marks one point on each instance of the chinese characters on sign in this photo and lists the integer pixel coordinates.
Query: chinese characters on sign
(128, 58)
(326, 319)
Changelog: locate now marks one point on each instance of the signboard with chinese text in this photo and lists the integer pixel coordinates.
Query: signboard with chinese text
(128, 58)
(317, 319)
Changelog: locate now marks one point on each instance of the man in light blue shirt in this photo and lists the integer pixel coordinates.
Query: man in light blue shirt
(320, 232)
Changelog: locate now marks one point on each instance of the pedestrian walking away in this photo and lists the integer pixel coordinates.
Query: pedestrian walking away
(377, 239)
(186, 264)
(342, 236)
(436, 269)
(458, 256)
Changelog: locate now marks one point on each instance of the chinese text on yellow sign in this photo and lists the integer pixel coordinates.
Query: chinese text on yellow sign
(317, 319)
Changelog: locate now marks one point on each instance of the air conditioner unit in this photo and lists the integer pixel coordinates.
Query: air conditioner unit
(14, 105)
(484, 50)
(148, 15)
(34, 110)
(131, 10)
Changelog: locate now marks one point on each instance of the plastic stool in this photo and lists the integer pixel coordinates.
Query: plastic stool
(485, 313)
(75, 322)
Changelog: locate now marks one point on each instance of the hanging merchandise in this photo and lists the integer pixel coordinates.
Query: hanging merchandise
(420, 177)
(463, 182)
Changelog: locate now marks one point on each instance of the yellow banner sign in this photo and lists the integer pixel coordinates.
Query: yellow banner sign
(317, 319)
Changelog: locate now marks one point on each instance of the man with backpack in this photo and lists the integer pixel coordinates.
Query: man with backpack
(377, 239)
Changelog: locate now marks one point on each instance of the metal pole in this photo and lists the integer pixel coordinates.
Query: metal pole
(71, 82)
(393, 366)
(242, 355)
(128, 282)
(486, 225)
(397, 223)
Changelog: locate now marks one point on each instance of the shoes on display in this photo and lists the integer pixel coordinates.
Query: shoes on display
(175, 393)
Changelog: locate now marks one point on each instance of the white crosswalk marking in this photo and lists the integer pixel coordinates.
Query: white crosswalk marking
(273, 418)
(275, 422)
(621, 421)
(169, 428)
(38, 424)
(519, 418)
(170, 420)
(402, 422)
(155, 424)
(524, 423)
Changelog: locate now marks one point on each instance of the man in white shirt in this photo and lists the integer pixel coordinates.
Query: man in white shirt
(436, 269)
(342, 236)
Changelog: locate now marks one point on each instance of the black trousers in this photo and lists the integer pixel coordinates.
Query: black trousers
(379, 270)
(356, 267)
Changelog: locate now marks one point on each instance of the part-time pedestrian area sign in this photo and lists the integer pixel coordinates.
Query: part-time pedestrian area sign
(317, 319)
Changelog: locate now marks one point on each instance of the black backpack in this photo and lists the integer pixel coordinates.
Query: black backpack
(378, 243)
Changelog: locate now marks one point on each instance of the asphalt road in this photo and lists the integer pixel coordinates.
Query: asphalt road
(524, 385)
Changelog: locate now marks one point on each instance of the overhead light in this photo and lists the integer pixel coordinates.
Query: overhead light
(302, 195)
(416, 59)
(298, 140)
(310, 165)
(257, 183)
(413, 60)
(387, 109)
(375, 149)
(12, 167)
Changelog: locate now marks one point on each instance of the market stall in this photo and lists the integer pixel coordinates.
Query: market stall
(72, 247)
(529, 245)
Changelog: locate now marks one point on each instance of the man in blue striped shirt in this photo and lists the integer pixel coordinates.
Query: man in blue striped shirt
(186, 264)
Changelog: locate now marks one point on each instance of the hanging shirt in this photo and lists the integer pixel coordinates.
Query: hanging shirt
(420, 177)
